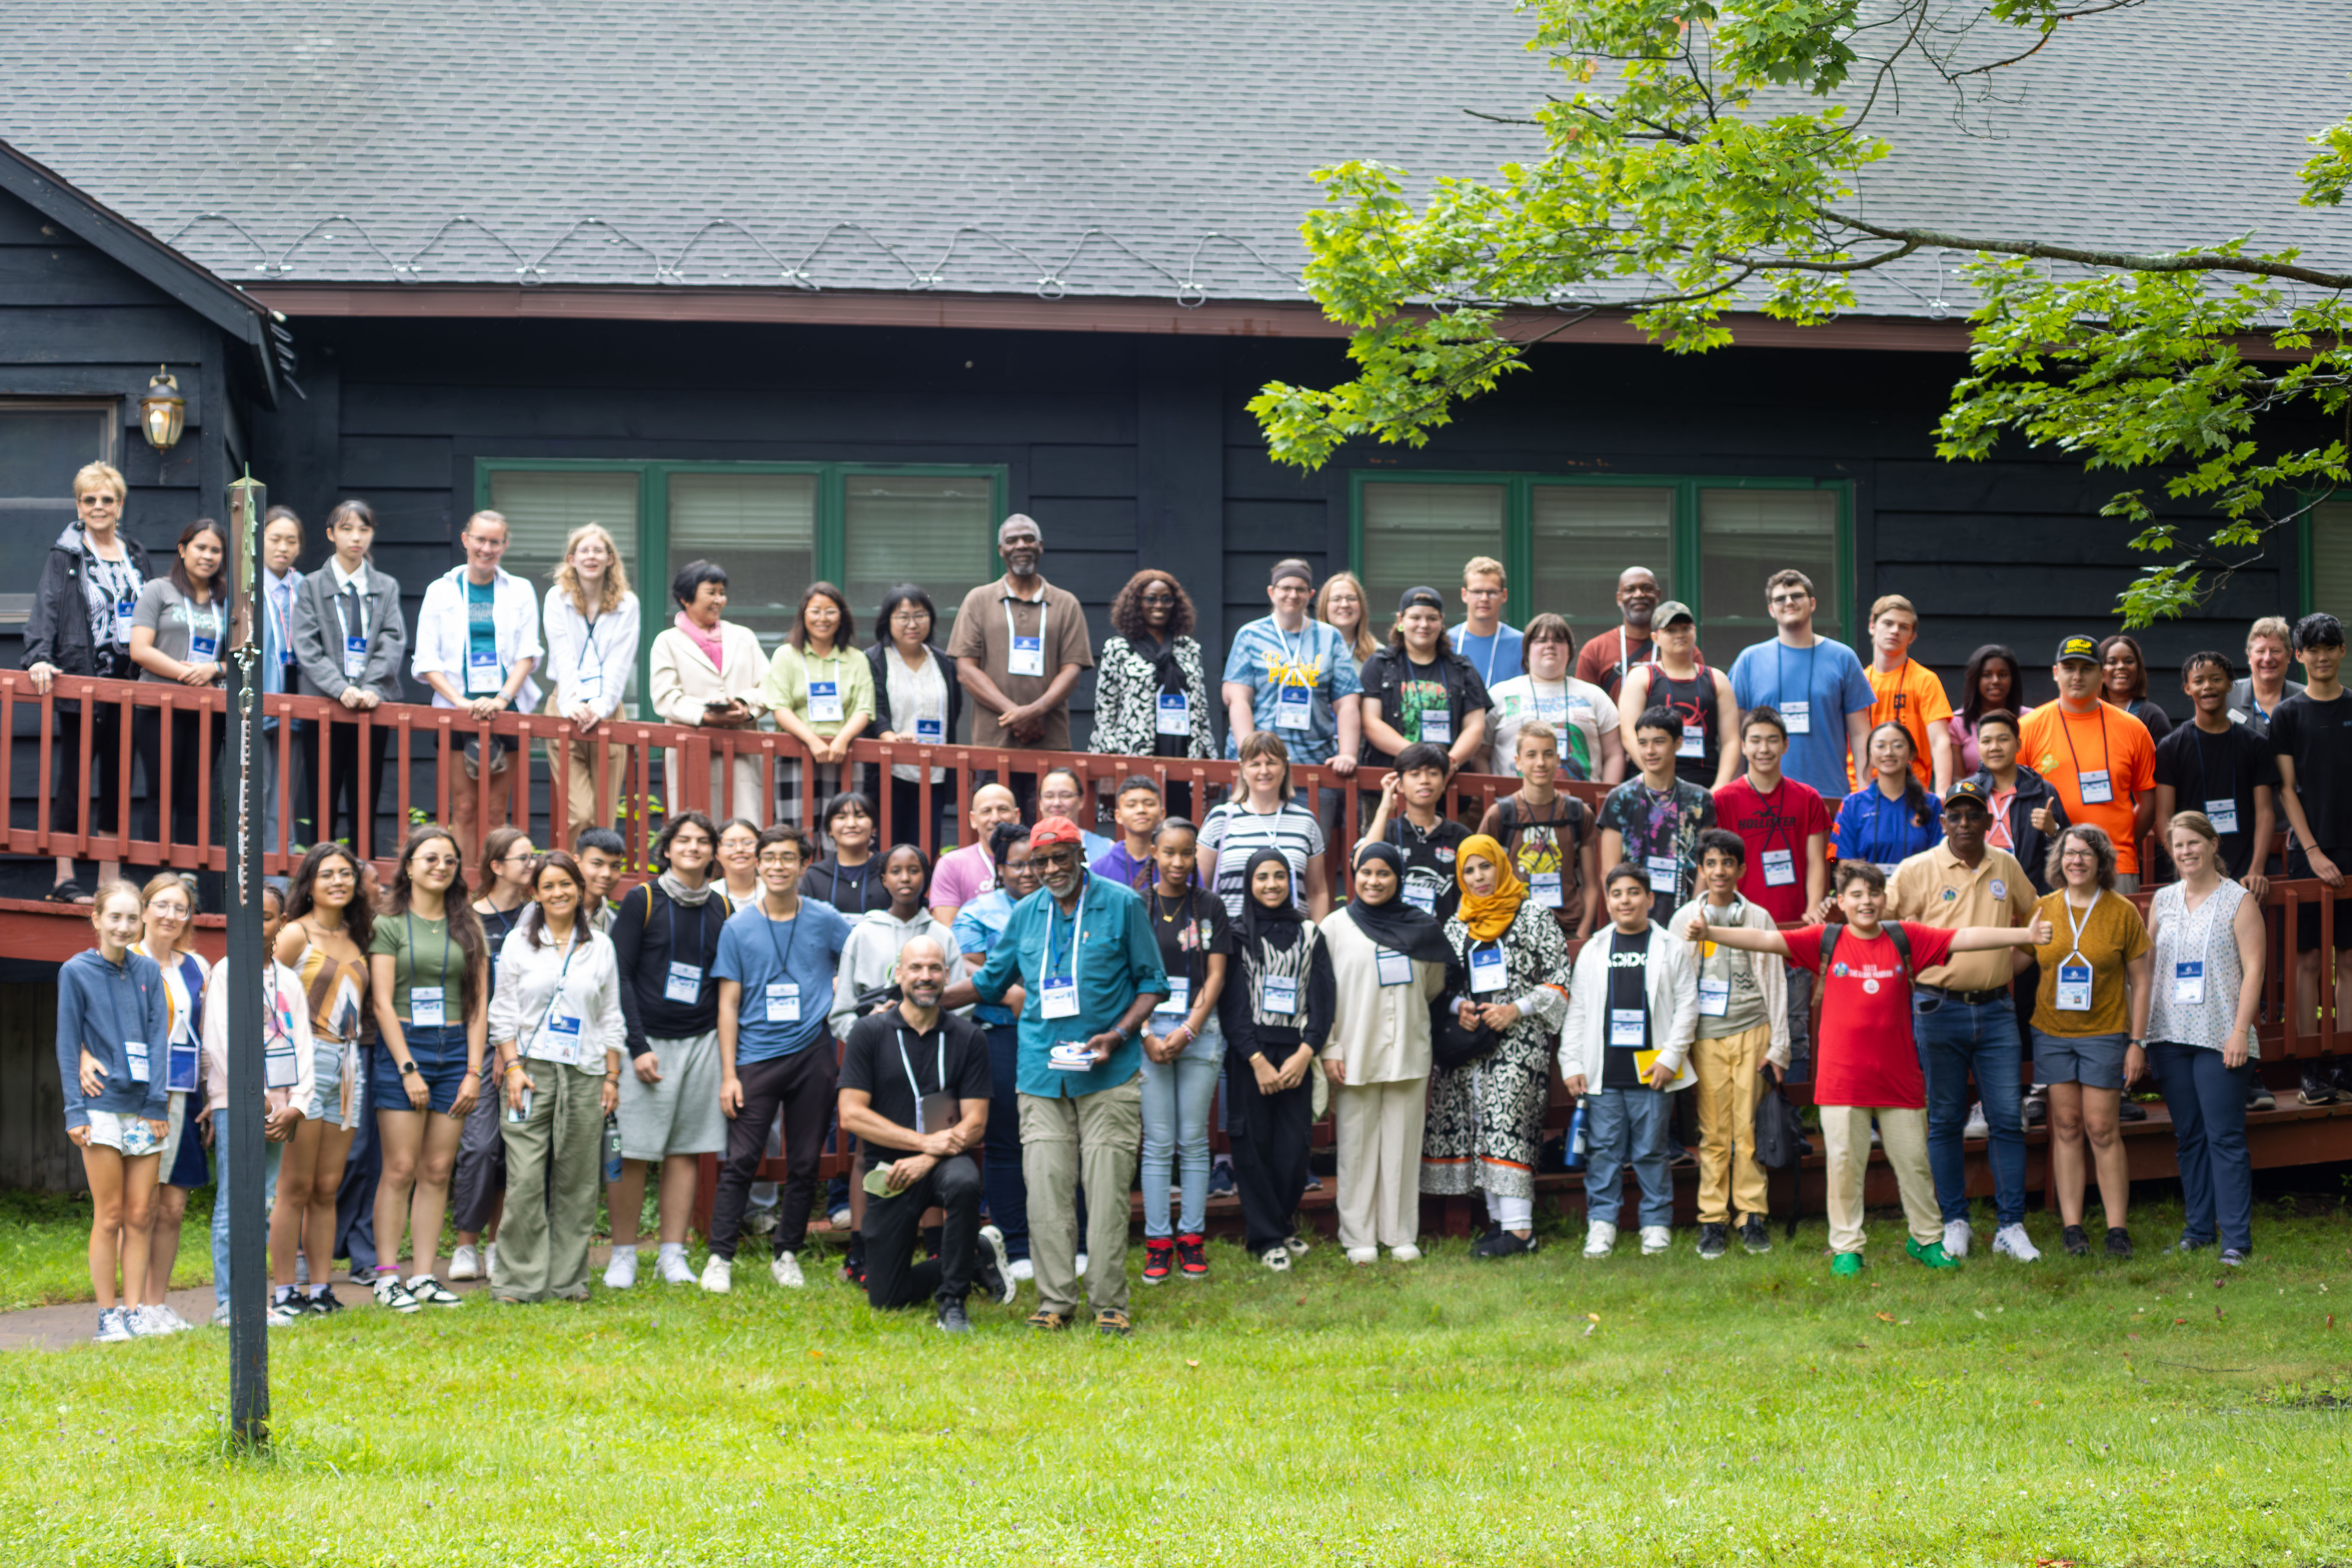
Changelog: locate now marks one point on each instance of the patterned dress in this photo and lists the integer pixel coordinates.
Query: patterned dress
(1486, 1118)
(1126, 701)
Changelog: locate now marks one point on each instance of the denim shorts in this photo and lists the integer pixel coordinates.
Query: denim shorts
(440, 1058)
(2095, 1062)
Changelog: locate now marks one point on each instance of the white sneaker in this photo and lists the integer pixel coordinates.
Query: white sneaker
(1657, 1238)
(786, 1272)
(146, 1323)
(1362, 1255)
(466, 1263)
(719, 1275)
(281, 1316)
(1297, 1245)
(1276, 1258)
(1407, 1253)
(114, 1326)
(1082, 1266)
(2010, 1241)
(1956, 1238)
(1023, 1269)
(675, 1268)
(1978, 1127)
(1600, 1238)
(490, 1259)
(621, 1272)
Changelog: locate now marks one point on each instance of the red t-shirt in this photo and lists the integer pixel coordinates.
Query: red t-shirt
(1603, 661)
(1782, 820)
(1867, 1055)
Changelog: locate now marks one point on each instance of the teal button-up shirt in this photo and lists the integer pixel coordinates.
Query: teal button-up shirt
(1110, 942)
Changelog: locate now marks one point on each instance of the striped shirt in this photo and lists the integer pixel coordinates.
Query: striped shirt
(1234, 833)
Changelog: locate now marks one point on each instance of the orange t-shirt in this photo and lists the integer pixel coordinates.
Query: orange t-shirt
(1914, 698)
(2063, 746)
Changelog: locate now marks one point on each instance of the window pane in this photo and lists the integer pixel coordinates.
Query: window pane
(2331, 558)
(541, 510)
(1585, 535)
(1417, 534)
(1744, 537)
(935, 529)
(40, 448)
(761, 528)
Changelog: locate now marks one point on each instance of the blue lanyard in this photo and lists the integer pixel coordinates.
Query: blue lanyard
(1878, 804)
(409, 953)
(1780, 682)
(909, 1068)
(114, 1003)
(580, 931)
(588, 646)
(783, 949)
(1077, 935)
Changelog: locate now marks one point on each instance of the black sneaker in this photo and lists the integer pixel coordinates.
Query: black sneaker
(2119, 1242)
(1713, 1240)
(2259, 1096)
(953, 1320)
(2131, 1110)
(323, 1301)
(2037, 1108)
(1754, 1234)
(2076, 1244)
(1220, 1180)
(1499, 1243)
(2318, 1087)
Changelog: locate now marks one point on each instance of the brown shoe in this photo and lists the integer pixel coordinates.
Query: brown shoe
(1045, 1320)
(1112, 1324)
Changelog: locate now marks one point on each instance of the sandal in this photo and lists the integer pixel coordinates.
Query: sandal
(68, 892)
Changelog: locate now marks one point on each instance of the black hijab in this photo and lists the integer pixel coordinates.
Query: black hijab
(1396, 925)
(1277, 928)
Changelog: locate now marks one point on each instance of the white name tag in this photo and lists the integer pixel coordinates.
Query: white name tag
(279, 1067)
(136, 1050)
(1713, 997)
(684, 985)
(1779, 868)
(1278, 994)
(1547, 887)
(183, 1067)
(1027, 658)
(1058, 998)
(427, 1009)
(2097, 789)
(1423, 897)
(560, 1041)
(589, 683)
(124, 610)
(1294, 708)
(1486, 969)
(1626, 1030)
(2189, 982)
(203, 646)
(1797, 716)
(1175, 714)
(2074, 988)
(1395, 968)
(1694, 741)
(1437, 727)
(1665, 873)
(783, 1002)
(2223, 814)
(482, 677)
(824, 702)
(930, 731)
(355, 658)
(1179, 1000)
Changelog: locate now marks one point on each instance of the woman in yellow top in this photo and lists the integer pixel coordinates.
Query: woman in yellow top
(820, 690)
(2090, 1026)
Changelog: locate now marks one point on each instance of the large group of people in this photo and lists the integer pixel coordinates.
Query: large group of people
(1806, 845)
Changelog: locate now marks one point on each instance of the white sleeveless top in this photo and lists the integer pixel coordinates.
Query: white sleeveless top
(2202, 934)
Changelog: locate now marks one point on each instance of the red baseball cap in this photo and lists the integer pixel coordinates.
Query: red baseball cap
(1055, 830)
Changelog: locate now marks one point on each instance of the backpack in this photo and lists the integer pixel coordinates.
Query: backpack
(1892, 928)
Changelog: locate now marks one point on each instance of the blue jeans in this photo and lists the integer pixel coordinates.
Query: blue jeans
(1955, 1040)
(1625, 1126)
(2207, 1102)
(1001, 1179)
(270, 1155)
(1177, 1098)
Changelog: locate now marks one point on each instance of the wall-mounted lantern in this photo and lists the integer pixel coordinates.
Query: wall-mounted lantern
(163, 412)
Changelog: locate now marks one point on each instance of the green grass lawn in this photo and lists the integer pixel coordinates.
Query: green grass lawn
(1547, 1410)
(45, 1246)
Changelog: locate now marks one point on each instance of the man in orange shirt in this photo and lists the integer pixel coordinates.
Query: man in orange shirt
(1908, 693)
(2100, 758)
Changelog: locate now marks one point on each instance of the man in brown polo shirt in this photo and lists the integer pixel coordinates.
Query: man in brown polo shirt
(1962, 1017)
(1019, 644)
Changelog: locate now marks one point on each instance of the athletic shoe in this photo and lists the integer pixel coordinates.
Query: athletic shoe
(2010, 1241)
(147, 1325)
(1046, 1321)
(1221, 1179)
(392, 1295)
(2119, 1242)
(490, 1259)
(113, 1327)
(675, 1268)
(1112, 1324)
(1192, 1257)
(1713, 1240)
(1276, 1258)
(1022, 1272)
(1754, 1234)
(1297, 1245)
(1847, 1266)
(952, 1318)
(786, 1272)
(1158, 1259)
(1657, 1238)
(1956, 1238)
(996, 1271)
(2259, 1096)
(1978, 1126)
(1362, 1257)
(840, 1218)
(432, 1293)
(1407, 1253)
(760, 1220)
(2317, 1089)
(2131, 1110)
(719, 1275)
(1501, 1243)
(323, 1301)
(165, 1321)
(1600, 1238)
(220, 1314)
(279, 1317)
(2233, 1258)
(2076, 1244)
(2189, 1244)
(1081, 1265)
(466, 1263)
(1930, 1255)
(620, 1273)
(2036, 1106)
(853, 1263)
(362, 1275)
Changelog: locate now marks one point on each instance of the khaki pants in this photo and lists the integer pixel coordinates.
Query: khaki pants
(1091, 1138)
(1380, 1127)
(583, 808)
(1846, 1134)
(558, 1151)
(1730, 1182)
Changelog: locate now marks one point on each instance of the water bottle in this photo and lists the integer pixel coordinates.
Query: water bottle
(612, 1149)
(1573, 1154)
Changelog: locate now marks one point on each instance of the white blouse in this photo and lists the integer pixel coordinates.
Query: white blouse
(915, 694)
(591, 663)
(562, 1004)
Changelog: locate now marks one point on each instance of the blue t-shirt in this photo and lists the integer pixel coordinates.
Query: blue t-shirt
(482, 626)
(1496, 658)
(1872, 828)
(1828, 678)
(757, 954)
(1266, 658)
(977, 926)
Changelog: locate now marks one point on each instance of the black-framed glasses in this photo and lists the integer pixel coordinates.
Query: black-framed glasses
(1059, 854)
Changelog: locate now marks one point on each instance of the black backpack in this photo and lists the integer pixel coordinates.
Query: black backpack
(1892, 928)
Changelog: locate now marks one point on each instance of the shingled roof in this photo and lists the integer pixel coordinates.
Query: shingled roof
(1011, 147)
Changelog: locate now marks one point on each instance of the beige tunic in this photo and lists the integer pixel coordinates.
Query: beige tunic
(1379, 1033)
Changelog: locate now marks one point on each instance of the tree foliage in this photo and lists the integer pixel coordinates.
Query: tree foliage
(1699, 159)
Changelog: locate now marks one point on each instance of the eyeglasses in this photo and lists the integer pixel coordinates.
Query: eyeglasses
(1791, 597)
(1158, 596)
(428, 861)
(1062, 855)
(98, 500)
(909, 617)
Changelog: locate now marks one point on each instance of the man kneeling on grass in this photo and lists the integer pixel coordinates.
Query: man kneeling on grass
(917, 1141)
(1868, 1065)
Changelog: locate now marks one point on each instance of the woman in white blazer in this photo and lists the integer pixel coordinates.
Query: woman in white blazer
(591, 623)
(706, 672)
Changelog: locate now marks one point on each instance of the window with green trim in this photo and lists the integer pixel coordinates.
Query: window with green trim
(2327, 561)
(1712, 542)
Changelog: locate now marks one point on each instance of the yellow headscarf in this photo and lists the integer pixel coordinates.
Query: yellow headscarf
(1489, 915)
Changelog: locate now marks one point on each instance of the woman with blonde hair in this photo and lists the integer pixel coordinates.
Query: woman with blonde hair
(1339, 604)
(590, 632)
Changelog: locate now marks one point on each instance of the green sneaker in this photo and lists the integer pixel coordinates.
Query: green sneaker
(1847, 1266)
(1931, 1255)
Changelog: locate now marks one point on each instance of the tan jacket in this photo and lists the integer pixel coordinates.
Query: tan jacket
(684, 681)
(1379, 1033)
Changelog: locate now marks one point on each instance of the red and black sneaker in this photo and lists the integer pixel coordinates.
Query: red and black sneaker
(1158, 1256)
(1191, 1256)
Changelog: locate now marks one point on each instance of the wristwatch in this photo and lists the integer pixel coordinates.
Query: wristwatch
(407, 1068)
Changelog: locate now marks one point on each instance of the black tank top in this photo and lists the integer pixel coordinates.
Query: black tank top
(1692, 702)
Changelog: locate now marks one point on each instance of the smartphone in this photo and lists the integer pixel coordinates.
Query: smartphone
(521, 1113)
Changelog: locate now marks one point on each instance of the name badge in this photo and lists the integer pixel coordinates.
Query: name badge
(182, 1069)
(1887, 868)
(427, 1009)
(1070, 1056)
(1626, 1027)
(124, 609)
(1486, 969)
(824, 702)
(1547, 889)
(2224, 814)
(482, 677)
(1421, 897)
(684, 985)
(279, 1067)
(1175, 714)
(1779, 868)
(1278, 994)
(1797, 716)
(2097, 788)
(560, 1041)
(588, 682)
(1395, 968)
(1665, 872)
(2189, 982)
(203, 646)
(355, 658)
(1713, 997)
(136, 1051)
(1179, 1000)
(1694, 741)
(930, 731)
(1294, 707)
(1058, 997)
(783, 1002)
(1027, 658)
(1437, 727)
(2074, 988)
